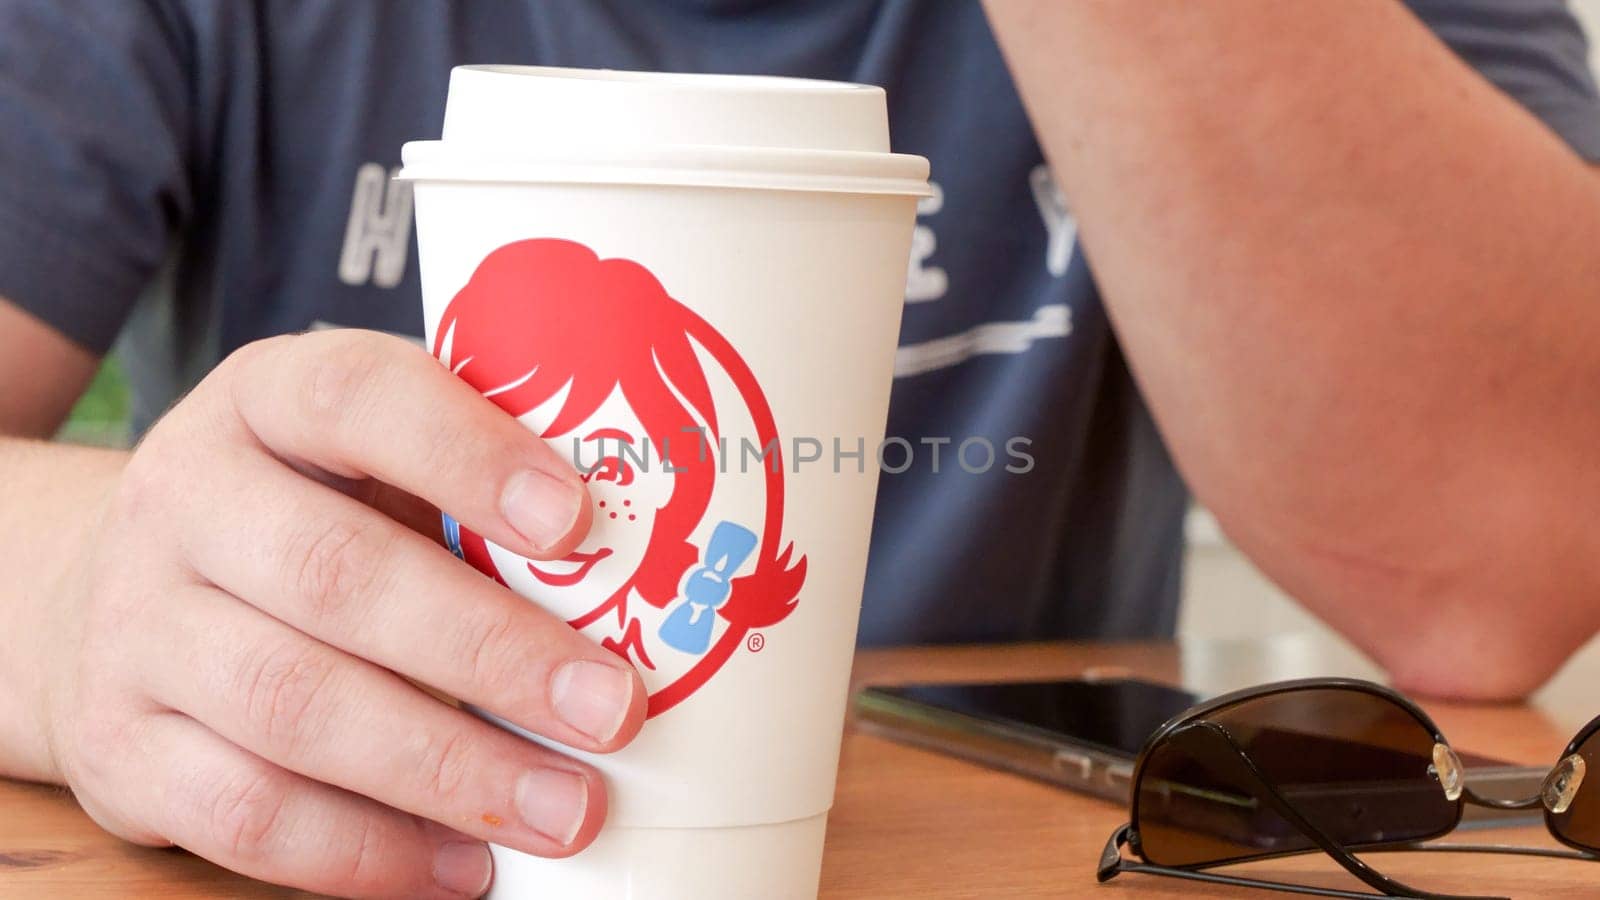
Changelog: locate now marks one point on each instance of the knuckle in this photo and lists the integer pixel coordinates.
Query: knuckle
(491, 647)
(446, 763)
(92, 745)
(342, 373)
(93, 737)
(280, 688)
(239, 369)
(338, 560)
(254, 352)
(245, 814)
(144, 487)
(363, 868)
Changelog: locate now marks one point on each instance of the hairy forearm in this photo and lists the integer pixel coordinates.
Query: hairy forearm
(49, 497)
(1361, 291)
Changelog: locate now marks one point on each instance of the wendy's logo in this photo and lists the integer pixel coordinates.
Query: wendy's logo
(685, 560)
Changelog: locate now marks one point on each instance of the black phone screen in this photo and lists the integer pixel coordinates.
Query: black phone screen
(1113, 715)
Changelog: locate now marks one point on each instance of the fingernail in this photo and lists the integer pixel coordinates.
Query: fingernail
(542, 508)
(592, 697)
(552, 803)
(463, 868)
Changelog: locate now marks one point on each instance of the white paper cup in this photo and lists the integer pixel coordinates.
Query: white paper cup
(655, 253)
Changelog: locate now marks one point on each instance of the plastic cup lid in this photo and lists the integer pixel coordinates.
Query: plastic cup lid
(524, 123)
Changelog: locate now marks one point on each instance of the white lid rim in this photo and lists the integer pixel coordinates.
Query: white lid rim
(641, 177)
(761, 168)
(647, 79)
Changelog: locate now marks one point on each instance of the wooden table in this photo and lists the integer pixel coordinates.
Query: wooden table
(913, 824)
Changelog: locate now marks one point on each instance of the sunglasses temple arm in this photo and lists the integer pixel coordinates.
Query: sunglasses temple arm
(1111, 861)
(1256, 883)
(1221, 750)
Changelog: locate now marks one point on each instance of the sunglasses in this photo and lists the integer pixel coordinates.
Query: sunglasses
(1332, 765)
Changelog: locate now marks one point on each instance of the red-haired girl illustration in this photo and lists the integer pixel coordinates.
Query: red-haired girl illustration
(594, 354)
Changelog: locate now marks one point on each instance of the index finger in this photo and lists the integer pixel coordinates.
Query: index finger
(360, 403)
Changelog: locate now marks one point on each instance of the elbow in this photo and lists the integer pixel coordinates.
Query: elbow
(1462, 632)
(1478, 649)
(1479, 668)
(1466, 597)
(1482, 638)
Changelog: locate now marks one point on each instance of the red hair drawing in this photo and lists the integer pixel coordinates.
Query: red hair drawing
(596, 352)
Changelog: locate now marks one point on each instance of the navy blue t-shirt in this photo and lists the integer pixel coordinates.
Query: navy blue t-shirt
(194, 175)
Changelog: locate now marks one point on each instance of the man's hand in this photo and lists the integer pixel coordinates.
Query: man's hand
(228, 666)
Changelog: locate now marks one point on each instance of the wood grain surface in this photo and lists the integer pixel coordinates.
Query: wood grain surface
(907, 823)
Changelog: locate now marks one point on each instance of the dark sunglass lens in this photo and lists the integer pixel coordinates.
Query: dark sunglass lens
(1354, 764)
(1574, 788)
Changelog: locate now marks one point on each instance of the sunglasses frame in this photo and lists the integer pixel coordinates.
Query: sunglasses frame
(1113, 863)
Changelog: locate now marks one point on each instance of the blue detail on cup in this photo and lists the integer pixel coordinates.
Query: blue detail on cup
(688, 628)
(452, 535)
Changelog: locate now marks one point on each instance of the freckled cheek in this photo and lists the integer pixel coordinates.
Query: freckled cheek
(623, 505)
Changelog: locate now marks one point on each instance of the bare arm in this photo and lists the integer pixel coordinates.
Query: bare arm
(47, 495)
(43, 373)
(1361, 290)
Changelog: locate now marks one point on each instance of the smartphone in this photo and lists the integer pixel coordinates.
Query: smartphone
(1082, 735)
(1085, 734)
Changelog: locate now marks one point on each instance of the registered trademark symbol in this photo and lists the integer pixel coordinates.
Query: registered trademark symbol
(756, 642)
